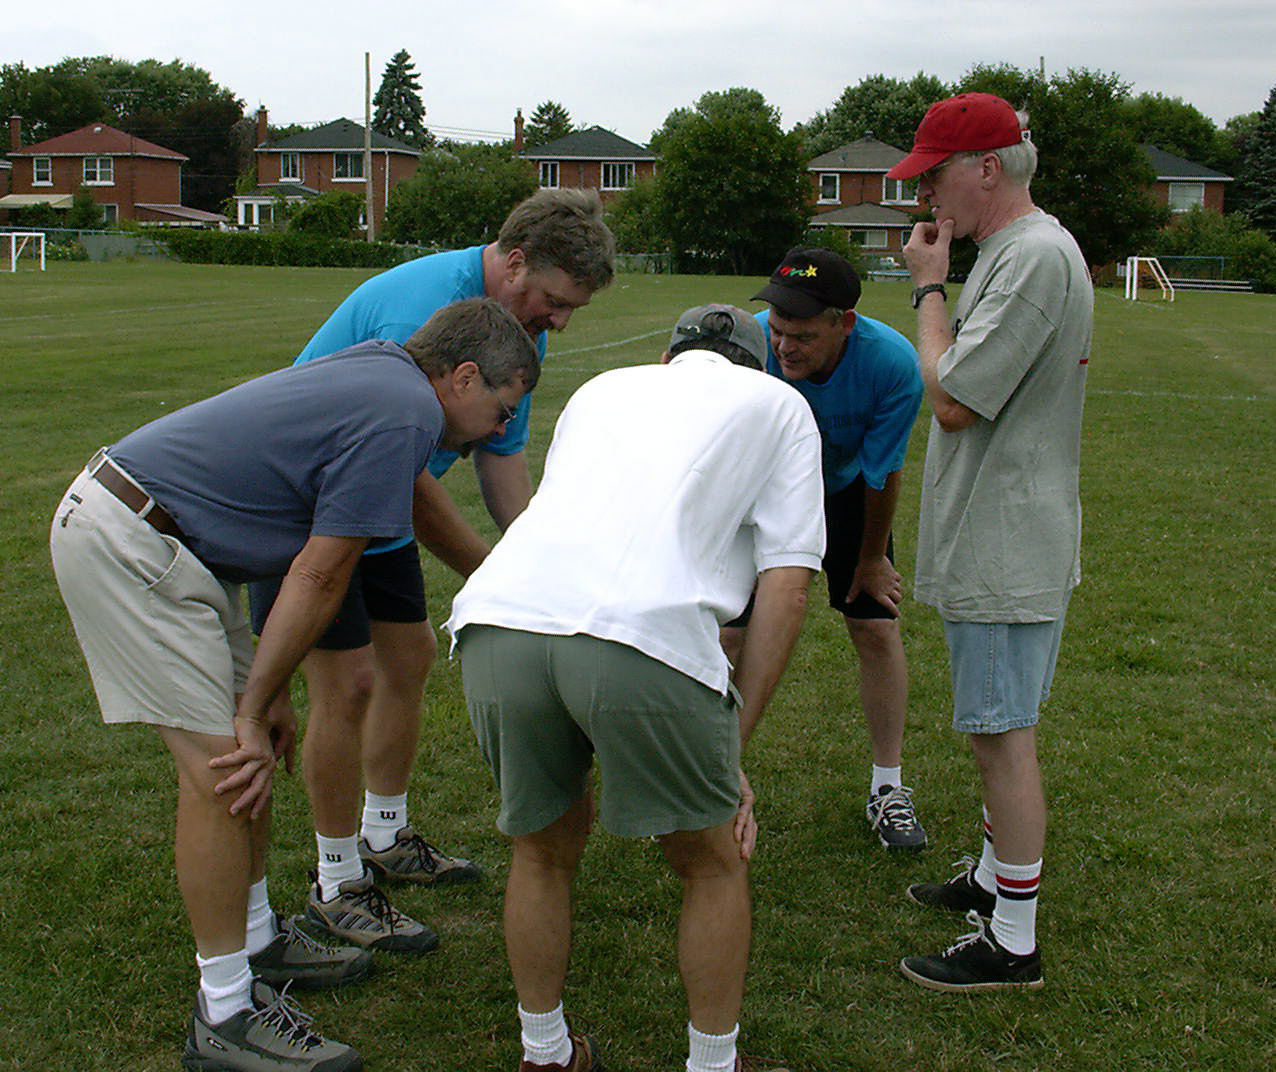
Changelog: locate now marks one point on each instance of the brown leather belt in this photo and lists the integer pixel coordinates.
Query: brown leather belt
(106, 473)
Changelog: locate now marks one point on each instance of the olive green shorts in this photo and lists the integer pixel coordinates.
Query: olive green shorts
(543, 706)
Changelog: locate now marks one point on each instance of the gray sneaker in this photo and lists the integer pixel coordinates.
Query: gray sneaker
(294, 957)
(412, 859)
(273, 1036)
(893, 819)
(362, 915)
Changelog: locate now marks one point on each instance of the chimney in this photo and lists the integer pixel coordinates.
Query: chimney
(15, 132)
(263, 130)
(518, 132)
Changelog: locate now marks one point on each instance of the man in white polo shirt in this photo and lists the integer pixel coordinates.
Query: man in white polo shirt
(592, 630)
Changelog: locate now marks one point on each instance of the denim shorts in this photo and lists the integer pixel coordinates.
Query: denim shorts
(1001, 672)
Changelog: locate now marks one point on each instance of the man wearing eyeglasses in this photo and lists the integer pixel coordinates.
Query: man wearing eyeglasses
(367, 673)
(998, 548)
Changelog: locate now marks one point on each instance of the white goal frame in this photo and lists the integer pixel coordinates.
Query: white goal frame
(18, 242)
(1134, 268)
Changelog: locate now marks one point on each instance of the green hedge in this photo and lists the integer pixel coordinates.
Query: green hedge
(281, 248)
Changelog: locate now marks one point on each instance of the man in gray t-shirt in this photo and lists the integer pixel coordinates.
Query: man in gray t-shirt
(297, 473)
(998, 548)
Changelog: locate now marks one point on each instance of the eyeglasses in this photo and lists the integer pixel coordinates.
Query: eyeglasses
(932, 173)
(508, 413)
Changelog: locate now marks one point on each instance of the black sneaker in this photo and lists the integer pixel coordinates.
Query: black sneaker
(891, 815)
(975, 963)
(961, 893)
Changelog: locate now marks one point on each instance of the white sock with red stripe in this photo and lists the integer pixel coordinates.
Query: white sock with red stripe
(986, 871)
(1014, 920)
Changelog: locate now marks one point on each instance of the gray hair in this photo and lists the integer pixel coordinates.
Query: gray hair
(562, 229)
(1018, 161)
(479, 330)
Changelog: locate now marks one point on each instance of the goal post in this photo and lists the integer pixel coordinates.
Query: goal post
(19, 240)
(1138, 267)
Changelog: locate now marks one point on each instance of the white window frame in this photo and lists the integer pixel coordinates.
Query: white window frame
(549, 174)
(897, 192)
(45, 164)
(286, 173)
(98, 166)
(626, 176)
(836, 198)
(871, 237)
(354, 161)
(250, 213)
(1184, 196)
(110, 213)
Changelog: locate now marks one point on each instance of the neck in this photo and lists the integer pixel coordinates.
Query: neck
(493, 265)
(1016, 204)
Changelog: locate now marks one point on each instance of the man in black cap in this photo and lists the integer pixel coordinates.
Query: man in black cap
(863, 383)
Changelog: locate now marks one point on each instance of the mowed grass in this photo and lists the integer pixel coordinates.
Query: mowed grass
(1158, 911)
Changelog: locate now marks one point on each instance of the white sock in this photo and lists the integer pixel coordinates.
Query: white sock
(545, 1038)
(226, 983)
(339, 862)
(986, 871)
(261, 920)
(1014, 919)
(711, 1053)
(885, 778)
(383, 818)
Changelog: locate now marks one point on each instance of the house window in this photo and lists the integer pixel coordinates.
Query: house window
(549, 174)
(830, 188)
(256, 213)
(1186, 195)
(289, 167)
(99, 171)
(874, 239)
(347, 167)
(899, 191)
(618, 176)
(42, 171)
(110, 214)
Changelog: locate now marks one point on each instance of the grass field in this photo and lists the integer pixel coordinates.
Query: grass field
(1159, 745)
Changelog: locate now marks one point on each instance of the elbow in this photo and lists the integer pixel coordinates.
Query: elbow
(954, 417)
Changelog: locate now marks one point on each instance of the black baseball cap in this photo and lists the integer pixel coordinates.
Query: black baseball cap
(810, 280)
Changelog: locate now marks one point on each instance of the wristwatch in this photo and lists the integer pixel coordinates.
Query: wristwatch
(929, 288)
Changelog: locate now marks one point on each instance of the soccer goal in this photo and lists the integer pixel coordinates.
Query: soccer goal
(1137, 267)
(19, 240)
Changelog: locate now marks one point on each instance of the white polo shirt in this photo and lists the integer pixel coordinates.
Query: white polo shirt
(667, 490)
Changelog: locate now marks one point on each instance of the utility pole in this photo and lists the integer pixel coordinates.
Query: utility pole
(367, 146)
(132, 151)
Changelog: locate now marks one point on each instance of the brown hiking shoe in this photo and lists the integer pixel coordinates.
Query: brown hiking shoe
(584, 1058)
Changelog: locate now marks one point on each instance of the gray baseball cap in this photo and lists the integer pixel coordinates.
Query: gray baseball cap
(727, 322)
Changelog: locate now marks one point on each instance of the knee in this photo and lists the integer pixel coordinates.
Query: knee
(703, 854)
(874, 637)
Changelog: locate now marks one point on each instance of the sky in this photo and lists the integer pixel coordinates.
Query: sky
(625, 64)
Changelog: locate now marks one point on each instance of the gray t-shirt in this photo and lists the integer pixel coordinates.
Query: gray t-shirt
(1000, 532)
(329, 448)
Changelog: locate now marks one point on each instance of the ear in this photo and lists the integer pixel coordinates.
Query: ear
(464, 376)
(848, 320)
(990, 168)
(514, 260)
(665, 358)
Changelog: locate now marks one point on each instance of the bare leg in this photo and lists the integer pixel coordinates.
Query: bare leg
(340, 686)
(403, 653)
(1011, 779)
(716, 924)
(538, 909)
(213, 849)
(883, 685)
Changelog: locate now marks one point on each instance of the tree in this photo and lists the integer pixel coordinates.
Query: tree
(1258, 168)
(1092, 173)
(549, 122)
(1172, 124)
(634, 220)
(399, 112)
(886, 108)
(459, 196)
(49, 105)
(85, 214)
(331, 215)
(732, 186)
(1251, 254)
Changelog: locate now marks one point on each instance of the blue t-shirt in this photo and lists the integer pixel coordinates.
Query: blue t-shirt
(395, 303)
(866, 409)
(329, 448)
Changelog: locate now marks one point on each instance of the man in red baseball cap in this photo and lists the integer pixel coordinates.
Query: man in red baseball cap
(1000, 531)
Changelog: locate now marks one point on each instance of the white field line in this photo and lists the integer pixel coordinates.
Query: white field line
(1183, 395)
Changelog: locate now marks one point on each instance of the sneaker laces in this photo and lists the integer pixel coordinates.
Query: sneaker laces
(427, 856)
(980, 933)
(378, 906)
(895, 807)
(288, 1020)
(307, 941)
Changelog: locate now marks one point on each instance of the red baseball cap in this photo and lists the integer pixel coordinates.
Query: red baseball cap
(965, 123)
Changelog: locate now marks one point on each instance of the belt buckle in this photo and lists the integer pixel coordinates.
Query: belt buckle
(97, 461)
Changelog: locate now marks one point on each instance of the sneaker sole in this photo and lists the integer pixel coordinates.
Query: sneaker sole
(966, 988)
(892, 847)
(389, 943)
(196, 1063)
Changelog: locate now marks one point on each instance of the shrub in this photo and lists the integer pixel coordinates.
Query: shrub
(331, 215)
(280, 248)
(1200, 233)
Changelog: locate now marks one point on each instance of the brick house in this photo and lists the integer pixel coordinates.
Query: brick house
(131, 178)
(852, 191)
(329, 157)
(593, 159)
(1182, 184)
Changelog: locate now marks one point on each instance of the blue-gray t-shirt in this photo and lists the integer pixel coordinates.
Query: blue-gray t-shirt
(331, 447)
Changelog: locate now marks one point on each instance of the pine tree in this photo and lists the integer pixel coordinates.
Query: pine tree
(549, 122)
(1257, 172)
(399, 112)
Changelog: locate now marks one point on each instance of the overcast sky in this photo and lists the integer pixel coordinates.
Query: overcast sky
(625, 64)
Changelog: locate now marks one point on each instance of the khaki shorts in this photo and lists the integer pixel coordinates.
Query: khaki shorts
(166, 641)
(543, 706)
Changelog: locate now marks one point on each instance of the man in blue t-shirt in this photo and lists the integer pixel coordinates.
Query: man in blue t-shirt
(149, 544)
(366, 675)
(863, 383)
